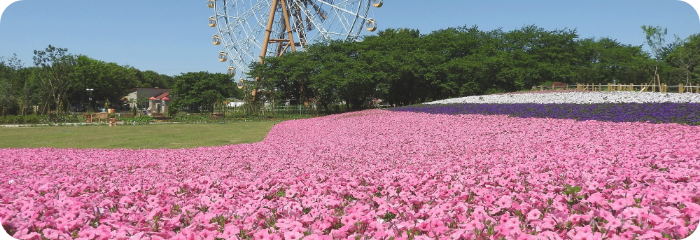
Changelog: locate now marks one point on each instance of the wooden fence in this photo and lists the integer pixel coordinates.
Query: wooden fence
(626, 87)
(641, 88)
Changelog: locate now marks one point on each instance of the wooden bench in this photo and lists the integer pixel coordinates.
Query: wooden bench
(91, 117)
(159, 116)
(558, 85)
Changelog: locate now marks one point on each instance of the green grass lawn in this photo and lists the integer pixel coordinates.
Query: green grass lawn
(151, 136)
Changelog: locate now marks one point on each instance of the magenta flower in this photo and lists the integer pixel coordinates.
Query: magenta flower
(504, 202)
(293, 235)
(534, 214)
(587, 236)
(547, 223)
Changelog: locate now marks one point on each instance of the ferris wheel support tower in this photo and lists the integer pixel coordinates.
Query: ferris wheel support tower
(246, 28)
(268, 32)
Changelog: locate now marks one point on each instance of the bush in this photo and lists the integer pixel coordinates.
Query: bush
(39, 119)
(140, 119)
(19, 119)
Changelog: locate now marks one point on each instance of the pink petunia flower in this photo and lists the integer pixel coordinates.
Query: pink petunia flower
(293, 235)
(504, 202)
(534, 214)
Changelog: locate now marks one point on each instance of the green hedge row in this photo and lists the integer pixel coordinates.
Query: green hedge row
(40, 119)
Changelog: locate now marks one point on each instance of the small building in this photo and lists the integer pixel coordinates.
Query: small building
(158, 104)
(150, 100)
(234, 104)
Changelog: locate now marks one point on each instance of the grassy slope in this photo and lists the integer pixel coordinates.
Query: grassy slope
(134, 137)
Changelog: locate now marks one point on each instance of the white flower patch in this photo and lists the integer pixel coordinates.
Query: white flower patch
(578, 98)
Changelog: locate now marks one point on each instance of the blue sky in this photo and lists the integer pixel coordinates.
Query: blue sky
(172, 36)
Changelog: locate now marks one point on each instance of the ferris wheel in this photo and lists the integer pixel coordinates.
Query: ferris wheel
(252, 29)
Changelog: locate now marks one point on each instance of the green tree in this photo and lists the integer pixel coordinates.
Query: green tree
(684, 57)
(345, 72)
(534, 56)
(458, 63)
(655, 41)
(202, 89)
(110, 81)
(152, 79)
(399, 66)
(31, 93)
(606, 60)
(11, 82)
(56, 73)
(282, 78)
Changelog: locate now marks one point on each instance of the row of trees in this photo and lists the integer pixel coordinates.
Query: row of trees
(402, 66)
(59, 80)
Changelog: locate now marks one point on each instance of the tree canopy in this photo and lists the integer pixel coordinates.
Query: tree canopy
(399, 66)
(403, 66)
(195, 89)
(59, 80)
(683, 59)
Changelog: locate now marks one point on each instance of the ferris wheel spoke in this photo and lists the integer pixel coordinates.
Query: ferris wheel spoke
(243, 47)
(238, 23)
(256, 8)
(318, 24)
(248, 13)
(318, 9)
(338, 8)
(344, 22)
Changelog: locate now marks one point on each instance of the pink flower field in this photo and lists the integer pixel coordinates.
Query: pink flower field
(373, 174)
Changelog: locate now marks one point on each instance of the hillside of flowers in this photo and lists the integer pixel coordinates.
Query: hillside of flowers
(373, 174)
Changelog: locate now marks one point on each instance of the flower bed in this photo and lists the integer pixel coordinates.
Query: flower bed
(683, 113)
(377, 174)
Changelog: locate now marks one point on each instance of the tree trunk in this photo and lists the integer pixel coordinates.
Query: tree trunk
(325, 106)
(687, 77)
(46, 106)
(58, 104)
(654, 81)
